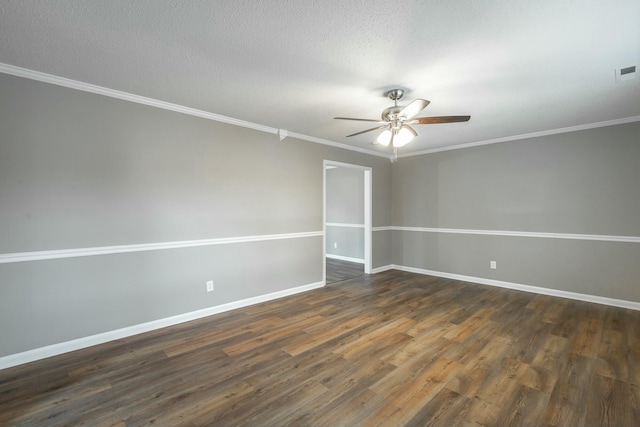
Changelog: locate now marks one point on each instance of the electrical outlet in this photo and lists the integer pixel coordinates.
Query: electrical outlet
(335, 245)
(209, 285)
(493, 265)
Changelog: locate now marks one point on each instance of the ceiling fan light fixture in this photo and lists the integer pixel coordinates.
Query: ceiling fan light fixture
(384, 138)
(396, 120)
(404, 136)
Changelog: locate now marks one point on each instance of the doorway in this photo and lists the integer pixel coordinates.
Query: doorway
(347, 221)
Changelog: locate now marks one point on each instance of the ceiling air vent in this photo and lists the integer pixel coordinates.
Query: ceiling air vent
(626, 73)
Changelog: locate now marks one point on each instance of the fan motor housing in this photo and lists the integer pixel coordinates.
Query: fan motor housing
(391, 113)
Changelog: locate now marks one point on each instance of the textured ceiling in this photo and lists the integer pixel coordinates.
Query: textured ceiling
(516, 67)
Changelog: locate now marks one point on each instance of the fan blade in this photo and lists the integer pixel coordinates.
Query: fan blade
(368, 130)
(414, 108)
(412, 130)
(439, 119)
(359, 120)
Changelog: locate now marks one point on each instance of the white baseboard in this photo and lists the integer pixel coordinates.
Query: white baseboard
(80, 343)
(633, 305)
(381, 269)
(345, 258)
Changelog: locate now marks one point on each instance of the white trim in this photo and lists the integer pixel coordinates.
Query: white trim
(325, 167)
(597, 237)
(338, 145)
(77, 344)
(526, 136)
(106, 250)
(368, 220)
(368, 207)
(382, 269)
(632, 305)
(384, 228)
(343, 224)
(328, 163)
(112, 93)
(345, 258)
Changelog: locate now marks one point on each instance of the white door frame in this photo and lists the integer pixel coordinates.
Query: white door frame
(368, 189)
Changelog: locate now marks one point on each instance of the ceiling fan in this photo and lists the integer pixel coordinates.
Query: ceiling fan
(396, 120)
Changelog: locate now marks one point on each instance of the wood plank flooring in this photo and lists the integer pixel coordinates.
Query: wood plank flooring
(391, 349)
(339, 270)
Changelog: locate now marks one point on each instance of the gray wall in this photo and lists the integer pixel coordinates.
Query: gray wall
(345, 205)
(349, 241)
(81, 170)
(584, 182)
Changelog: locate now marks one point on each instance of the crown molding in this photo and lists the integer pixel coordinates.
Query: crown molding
(338, 145)
(112, 93)
(526, 136)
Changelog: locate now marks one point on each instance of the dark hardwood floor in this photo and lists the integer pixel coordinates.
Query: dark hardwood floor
(389, 349)
(338, 270)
